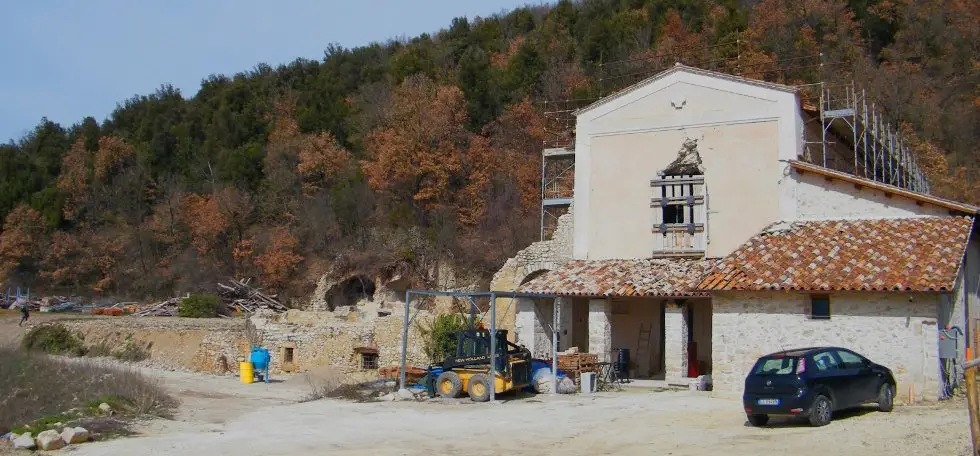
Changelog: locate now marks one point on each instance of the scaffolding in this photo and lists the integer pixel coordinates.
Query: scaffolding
(855, 137)
(844, 129)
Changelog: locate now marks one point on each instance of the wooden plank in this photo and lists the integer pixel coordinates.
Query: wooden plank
(971, 400)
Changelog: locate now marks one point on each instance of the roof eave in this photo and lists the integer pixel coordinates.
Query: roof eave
(941, 202)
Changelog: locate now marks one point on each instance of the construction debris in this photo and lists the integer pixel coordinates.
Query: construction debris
(237, 295)
(242, 297)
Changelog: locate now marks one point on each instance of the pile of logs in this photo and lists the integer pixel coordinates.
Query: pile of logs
(166, 308)
(237, 295)
(241, 297)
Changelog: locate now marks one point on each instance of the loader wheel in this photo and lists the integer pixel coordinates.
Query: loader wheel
(480, 388)
(448, 384)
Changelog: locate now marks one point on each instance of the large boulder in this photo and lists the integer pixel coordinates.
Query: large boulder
(24, 442)
(74, 436)
(50, 440)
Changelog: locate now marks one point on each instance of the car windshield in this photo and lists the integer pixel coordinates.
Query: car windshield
(775, 365)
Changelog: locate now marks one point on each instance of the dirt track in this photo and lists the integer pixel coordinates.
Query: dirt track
(219, 416)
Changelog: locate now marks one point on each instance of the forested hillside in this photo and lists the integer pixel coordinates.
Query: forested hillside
(405, 154)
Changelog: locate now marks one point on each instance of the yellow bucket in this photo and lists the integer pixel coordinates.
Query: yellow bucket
(246, 372)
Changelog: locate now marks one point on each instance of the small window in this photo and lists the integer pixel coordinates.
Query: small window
(287, 355)
(369, 360)
(820, 307)
(673, 213)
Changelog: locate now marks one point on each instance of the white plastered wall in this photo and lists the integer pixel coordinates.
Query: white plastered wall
(747, 134)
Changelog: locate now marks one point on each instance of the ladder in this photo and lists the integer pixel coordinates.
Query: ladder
(643, 342)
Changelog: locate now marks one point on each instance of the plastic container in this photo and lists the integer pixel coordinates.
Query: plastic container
(260, 358)
(245, 372)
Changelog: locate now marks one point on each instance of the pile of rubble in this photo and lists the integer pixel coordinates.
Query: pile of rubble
(237, 295)
(241, 297)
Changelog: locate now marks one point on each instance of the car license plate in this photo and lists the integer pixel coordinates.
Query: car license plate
(768, 401)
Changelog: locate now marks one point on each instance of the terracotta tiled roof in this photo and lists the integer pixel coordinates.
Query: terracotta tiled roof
(907, 254)
(647, 277)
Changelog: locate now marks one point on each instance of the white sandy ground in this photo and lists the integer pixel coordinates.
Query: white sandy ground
(220, 416)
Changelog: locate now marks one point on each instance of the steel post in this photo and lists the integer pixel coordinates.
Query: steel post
(554, 347)
(493, 347)
(404, 363)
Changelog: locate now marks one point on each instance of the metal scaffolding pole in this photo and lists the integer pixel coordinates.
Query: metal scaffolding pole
(823, 124)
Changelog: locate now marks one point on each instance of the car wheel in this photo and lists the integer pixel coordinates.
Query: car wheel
(886, 397)
(758, 420)
(821, 411)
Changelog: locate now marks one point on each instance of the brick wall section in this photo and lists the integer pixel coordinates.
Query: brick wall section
(897, 330)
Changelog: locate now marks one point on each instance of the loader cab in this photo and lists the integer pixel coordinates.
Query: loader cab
(475, 344)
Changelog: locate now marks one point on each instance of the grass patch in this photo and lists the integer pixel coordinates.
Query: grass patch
(54, 340)
(37, 389)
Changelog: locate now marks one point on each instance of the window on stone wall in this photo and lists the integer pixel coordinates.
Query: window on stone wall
(369, 360)
(820, 307)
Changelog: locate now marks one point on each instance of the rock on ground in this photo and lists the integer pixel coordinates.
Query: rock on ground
(24, 442)
(405, 395)
(50, 440)
(74, 436)
(105, 407)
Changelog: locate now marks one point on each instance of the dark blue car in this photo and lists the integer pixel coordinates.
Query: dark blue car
(813, 383)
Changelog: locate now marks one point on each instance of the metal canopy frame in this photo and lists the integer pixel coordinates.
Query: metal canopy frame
(471, 296)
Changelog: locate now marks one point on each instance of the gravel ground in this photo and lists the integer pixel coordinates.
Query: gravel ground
(220, 416)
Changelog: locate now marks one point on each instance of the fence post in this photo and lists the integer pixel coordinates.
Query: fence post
(970, 372)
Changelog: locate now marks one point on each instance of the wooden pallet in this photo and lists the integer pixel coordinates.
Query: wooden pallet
(575, 364)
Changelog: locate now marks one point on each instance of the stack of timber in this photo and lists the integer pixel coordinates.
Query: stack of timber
(574, 364)
(241, 297)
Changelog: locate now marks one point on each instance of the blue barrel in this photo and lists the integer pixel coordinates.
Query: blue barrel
(260, 358)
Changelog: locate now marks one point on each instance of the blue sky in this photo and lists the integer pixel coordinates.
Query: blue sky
(68, 59)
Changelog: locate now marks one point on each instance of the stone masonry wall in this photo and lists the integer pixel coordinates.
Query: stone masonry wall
(897, 330)
(204, 345)
(325, 339)
(539, 256)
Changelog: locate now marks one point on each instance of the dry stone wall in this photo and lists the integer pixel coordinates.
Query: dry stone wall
(204, 345)
(332, 339)
(539, 256)
(897, 330)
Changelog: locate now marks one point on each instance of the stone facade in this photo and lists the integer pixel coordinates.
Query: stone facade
(327, 339)
(897, 330)
(675, 341)
(600, 329)
(539, 256)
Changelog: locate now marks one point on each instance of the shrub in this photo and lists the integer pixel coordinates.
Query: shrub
(53, 339)
(199, 306)
(439, 337)
(35, 387)
(131, 352)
